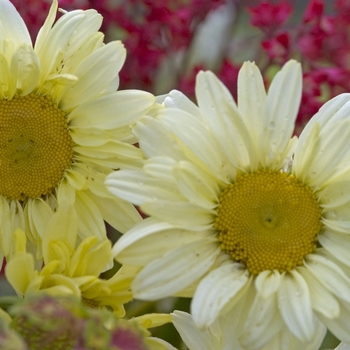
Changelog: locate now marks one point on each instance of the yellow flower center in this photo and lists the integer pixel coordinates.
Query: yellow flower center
(35, 146)
(268, 220)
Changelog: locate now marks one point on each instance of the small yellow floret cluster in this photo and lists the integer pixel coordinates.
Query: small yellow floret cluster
(35, 146)
(268, 220)
(93, 304)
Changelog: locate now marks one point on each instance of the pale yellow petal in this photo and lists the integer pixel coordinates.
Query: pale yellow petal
(46, 28)
(90, 220)
(25, 69)
(62, 226)
(95, 74)
(90, 257)
(111, 111)
(12, 24)
(20, 271)
(175, 271)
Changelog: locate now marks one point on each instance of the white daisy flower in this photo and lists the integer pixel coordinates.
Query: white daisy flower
(63, 125)
(242, 211)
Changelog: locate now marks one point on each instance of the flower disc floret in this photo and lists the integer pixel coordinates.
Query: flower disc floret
(35, 144)
(268, 220)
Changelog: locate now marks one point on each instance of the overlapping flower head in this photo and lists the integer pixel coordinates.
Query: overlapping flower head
(69, 269)
(65, 304)
(64, 125)
(252, 219)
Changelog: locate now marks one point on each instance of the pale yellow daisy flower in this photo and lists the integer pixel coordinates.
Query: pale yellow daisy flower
(242, 210)
(69, 269)
(63, 124)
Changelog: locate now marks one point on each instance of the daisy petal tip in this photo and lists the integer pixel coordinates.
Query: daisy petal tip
(248, 64)
(205, 76)
(293, 69)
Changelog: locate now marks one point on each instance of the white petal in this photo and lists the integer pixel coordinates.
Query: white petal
(8, 84)
(39, 213)
(82, 42)
(302, 156)
(90, 221)
(142, 230)
(334, 193)
(95, 74)
(25, 69)
(46, 28)
(89, 136)
(322, 300)
(196, 185)
(176, 99)
(195, 339)
(337, 244)
(138, 188)
(51, 200)
(286, 341)
(340, 326)
(112, 149)
(53, 42)
(175, 271)
(113, 154)
(76, 179)
(120, 214)
(12, 25)
(318, 339)
(251, 96)
(65, 193)
(267, 282)
(322, 160)
(151, 239)
(156, 139)
(17, 215)
(262, 323)
(282, 105)
(340, 226)
(180, 213)
(336, 109)
(161, 168)
(195, 140)
(224, 120)
(112, 111)
(221, 287)
(112, 161)
(329, 274)
(295, 306)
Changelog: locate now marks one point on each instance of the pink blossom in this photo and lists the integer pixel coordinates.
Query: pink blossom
(268, 17)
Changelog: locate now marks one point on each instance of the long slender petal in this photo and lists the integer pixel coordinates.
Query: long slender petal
(295, 306)
(175, 271)
(221, 287)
